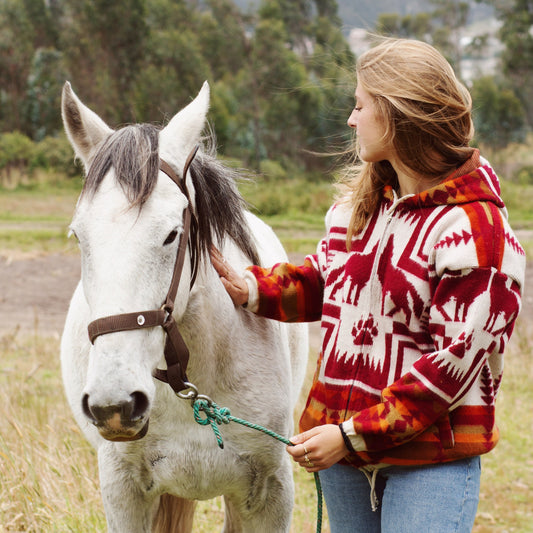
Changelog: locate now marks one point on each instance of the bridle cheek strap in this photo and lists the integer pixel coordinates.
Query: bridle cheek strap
(176, 351)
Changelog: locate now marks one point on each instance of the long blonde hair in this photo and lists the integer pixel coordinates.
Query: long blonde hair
(427, 113)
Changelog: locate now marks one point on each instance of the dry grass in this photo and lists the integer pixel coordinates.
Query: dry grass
(48, 473)
(507, 472)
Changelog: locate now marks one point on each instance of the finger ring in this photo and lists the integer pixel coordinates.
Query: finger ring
(306, 451)
(309, 463)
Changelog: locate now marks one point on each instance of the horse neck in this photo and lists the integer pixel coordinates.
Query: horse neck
(208, 323)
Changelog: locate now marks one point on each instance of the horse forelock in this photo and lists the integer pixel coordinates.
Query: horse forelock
(133, 154)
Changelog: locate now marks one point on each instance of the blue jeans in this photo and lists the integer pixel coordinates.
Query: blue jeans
(440, 498)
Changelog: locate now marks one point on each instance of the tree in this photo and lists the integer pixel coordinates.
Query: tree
(104, 43)
(517, 58)
(441, 27)
(498, 114)
(451, 16)
(223, 38)
(281, 79)
(16, 54)
(416, 26)
(43, 94)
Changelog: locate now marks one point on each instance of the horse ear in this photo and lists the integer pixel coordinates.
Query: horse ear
(84, 128)
(183, 131)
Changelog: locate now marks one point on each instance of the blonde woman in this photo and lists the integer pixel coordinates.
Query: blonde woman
(417, 285)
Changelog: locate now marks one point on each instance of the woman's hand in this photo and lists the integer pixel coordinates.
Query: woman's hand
(319, 448)
(234, 284)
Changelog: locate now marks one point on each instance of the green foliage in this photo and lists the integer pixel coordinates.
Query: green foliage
(16, 53)
(516, 18)
(275, 75)
(43, 98)
(440, 26)
(104, 44)
(276, 193)
(282, 78)
(498, 114)
(55, 154)
(407, 26)
(524, 175)
(20, 157)
(16, 153)
(518, 199)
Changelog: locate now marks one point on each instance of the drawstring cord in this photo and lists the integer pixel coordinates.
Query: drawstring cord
(374, 502)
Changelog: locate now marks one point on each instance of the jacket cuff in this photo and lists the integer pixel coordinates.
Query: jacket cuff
(348, 433)
(253, 292)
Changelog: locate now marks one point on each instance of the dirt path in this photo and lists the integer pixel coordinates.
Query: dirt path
(35, 293)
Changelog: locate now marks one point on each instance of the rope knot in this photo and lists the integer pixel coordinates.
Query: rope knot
(213, 415)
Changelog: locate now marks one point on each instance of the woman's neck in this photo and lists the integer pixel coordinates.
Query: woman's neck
(410, 182)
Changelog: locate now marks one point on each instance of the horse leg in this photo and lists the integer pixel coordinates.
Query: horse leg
(128, 493)
(173, 515)
(265, 507)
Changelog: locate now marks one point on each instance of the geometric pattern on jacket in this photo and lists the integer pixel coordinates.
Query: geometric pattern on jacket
(415, 319)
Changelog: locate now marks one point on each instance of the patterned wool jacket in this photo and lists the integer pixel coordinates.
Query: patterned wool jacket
(415, 319)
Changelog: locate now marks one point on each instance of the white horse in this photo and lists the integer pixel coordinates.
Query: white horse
(128, 221)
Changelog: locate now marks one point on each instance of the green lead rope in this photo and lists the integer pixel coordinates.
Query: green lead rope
(215, 416)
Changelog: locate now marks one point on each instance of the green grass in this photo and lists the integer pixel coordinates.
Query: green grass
(35, 218)
(519, 202)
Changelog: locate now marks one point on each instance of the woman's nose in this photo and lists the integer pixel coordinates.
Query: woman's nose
(352, 122)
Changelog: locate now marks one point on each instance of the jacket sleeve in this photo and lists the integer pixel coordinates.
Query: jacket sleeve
(289, 293)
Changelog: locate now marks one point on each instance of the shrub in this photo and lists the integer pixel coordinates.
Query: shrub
(272, 170)
(16, 151)
(55, 154)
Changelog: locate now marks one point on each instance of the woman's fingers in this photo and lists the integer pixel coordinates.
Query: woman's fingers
(318, 448)
(234, 284)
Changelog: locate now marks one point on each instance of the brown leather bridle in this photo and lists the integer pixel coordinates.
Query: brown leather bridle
(176, 351)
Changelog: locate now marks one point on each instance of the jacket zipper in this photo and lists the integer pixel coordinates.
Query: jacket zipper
(384, 233)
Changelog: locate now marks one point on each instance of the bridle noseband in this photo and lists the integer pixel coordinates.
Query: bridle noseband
(176, 351)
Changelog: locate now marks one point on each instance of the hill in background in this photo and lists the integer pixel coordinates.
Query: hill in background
(364, 13)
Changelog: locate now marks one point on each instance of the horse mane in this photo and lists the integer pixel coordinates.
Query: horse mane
(133, 152)
(220, 207)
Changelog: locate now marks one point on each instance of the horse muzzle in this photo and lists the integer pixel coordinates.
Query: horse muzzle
(123, 421)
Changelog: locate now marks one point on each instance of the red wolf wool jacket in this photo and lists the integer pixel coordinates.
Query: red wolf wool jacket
(415, 319)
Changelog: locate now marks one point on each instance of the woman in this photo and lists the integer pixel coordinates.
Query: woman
(417, 285)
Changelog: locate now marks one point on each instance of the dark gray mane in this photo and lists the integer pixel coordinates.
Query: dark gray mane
(133, 152)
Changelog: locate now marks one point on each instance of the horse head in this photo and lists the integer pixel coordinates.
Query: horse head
(128, 223)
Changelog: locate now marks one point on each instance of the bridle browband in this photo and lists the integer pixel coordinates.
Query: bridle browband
(176, 351)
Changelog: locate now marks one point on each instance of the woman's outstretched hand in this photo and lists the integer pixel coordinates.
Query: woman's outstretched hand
(234, 284)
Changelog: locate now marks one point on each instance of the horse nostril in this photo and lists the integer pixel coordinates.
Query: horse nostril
(86, 409)
(129, 412)
(139, 405)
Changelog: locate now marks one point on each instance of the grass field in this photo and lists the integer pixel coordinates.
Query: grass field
(48, 473)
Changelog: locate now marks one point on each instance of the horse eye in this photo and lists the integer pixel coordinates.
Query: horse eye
(171, 237)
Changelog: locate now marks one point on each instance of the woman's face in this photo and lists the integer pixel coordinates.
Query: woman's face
(370, 128)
